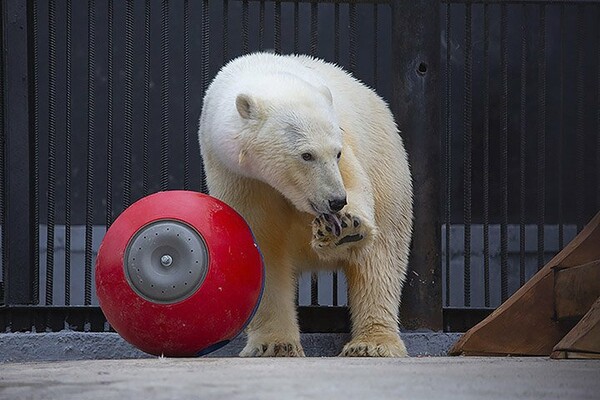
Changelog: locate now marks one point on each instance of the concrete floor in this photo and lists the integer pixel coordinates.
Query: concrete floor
(68, 345)
(308, 378)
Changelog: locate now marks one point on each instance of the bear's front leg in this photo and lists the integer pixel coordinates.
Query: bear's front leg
(274, 331)
(374, 294)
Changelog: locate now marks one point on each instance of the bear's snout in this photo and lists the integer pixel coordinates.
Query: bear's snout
(336, 205)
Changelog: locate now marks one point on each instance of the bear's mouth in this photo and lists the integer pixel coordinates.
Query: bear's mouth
(332, 219)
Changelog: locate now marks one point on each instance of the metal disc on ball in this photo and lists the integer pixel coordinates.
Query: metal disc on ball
(166, 261)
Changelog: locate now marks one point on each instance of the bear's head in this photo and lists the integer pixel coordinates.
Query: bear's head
(293, 142)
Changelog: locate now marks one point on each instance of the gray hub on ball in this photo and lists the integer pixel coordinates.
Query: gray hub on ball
(166, 261)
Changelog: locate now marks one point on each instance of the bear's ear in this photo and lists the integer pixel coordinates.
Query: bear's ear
(247, 107)
(327, 93)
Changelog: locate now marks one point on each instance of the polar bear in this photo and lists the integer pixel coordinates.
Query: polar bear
(314, 162)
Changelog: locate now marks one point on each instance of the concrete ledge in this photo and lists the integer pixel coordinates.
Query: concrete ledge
(68, 345)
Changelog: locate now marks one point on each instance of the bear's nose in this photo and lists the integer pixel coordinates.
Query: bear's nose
(336, 205)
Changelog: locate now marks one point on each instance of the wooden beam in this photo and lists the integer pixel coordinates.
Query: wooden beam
(525, 324)
(576, 289)
(583, 341)
(563, 355)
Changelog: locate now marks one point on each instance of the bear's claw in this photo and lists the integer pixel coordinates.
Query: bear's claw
(333, 224)
(273, 350)
(377, 347)
(349, 239)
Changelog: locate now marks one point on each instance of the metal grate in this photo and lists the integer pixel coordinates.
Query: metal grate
(3, 264)
(520, 140)
(109, 92)
(115, 92)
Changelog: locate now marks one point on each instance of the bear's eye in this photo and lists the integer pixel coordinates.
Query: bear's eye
(339, 155)
(307, 157)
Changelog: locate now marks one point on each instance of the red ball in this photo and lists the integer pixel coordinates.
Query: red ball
(179, 274)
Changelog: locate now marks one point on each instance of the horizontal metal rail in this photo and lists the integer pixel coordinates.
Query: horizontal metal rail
(539, 2)
(313, 319)
(461, 319)
(329, 1)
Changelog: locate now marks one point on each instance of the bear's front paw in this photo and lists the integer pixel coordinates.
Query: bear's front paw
(389, 346)
(338, 231)
(273, 350)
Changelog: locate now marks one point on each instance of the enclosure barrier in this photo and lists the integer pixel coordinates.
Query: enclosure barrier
(497, 101)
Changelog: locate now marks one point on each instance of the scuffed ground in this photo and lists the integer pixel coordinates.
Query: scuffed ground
(308, 378)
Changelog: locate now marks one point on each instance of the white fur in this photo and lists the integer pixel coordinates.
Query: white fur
(261, 114)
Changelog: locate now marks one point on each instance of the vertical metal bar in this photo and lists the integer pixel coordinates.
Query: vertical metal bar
(486, 155)
(225, 31)
(51, 196)
(314, 27)
(164, 97)
(523, 144)
(34, 103)
(541, 140)
(68, 164)
(375, 45)
(504, 152)
(128, 131)
(314, 43)
(109, 113)
(561, 123)
(51, 151)
(245, 43)
(205, 45)
(467, 143)
(277, 24)
(314, 289)
(334, 289)
(91, 114)
(353, 37)
(261, 25)
(186, 92)
(336, 58)
(448, 148)
(204, 72)
(415, 102)
(3, 266)
(579, 124)
(18, 128)
(146, 112)
(297, 27)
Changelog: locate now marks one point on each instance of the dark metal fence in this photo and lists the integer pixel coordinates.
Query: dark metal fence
(105, 96)
(99, 107)
(521, 147)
